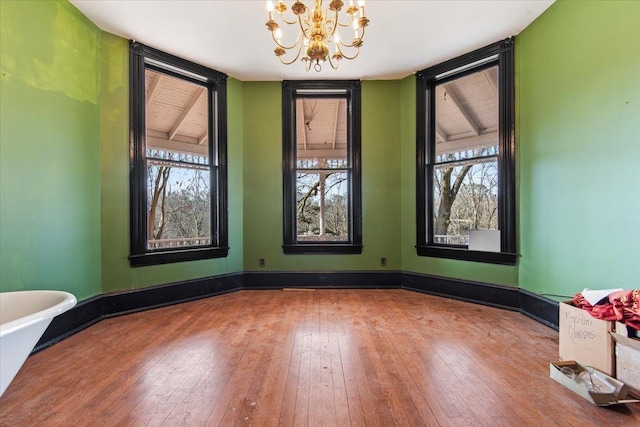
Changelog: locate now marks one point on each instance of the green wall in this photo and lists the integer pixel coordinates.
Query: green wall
(117, 274)
(64, 186)
(579, 145)
(49, 149)
(263, 182)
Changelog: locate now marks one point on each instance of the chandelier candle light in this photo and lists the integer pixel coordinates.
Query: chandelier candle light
(317, 28)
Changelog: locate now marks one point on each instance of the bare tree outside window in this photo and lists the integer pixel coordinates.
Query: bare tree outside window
(465, 164)
(322, 203)
(465, 181)
(178, 193)
(322, 179)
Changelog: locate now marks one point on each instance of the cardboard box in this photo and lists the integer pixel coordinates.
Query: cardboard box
(586, 339)
(597, 398)
(627, 358)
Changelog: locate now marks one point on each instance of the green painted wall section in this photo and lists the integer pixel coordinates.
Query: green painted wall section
(117, 274)
(579, 136)
(49, 149)
(411, 262)
(263, 182)
(64, 180)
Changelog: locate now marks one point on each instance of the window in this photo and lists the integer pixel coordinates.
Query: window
(178, 159)
(321, 167)
(466, 157)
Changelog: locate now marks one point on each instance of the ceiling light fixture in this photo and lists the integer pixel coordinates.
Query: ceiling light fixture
(317, 28)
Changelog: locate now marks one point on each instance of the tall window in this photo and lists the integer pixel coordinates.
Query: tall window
(321, 160)
(466, 157)
(178, 159)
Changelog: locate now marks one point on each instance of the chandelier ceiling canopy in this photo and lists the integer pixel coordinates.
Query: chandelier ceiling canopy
(318, 31)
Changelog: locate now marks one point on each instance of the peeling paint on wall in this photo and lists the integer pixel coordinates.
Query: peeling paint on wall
(50, 45)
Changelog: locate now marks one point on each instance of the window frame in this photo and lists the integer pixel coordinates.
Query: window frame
(142, 57)
(426, 82)
(291, 91)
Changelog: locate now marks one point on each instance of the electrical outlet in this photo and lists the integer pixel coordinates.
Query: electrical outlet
(383, 261)
(261, 262)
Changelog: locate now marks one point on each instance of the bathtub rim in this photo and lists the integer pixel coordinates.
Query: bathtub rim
(69, 301)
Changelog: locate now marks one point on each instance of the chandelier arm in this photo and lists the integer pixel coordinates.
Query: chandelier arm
(352, 44)
(345, 24)
(294, 59)
(334, 22)
(283, 46)
(347, 56)
(302, 32)
(335, 67)
(348, 45)
(287, 22)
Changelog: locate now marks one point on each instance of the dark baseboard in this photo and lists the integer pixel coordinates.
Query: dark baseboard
(481, 293)
(83, 315)
(116, 304)
(321, 279)
(90, 311)
(539, 308)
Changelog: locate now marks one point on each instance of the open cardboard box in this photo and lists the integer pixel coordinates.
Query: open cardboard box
(599, 399)
(627, 357)
(586, 339)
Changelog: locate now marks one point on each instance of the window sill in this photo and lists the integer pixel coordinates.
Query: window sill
(467, 255)
(167, 257)
(323, 249)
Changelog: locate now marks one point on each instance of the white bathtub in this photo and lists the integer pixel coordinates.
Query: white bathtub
(24, 316)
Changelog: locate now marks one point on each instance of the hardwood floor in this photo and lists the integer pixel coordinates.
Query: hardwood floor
(324, 357)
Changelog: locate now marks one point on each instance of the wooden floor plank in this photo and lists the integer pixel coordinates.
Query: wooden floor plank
(326, 357)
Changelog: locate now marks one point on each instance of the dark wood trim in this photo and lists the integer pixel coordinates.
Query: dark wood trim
(156, 258)
(351, 91)
(507, 140)
(91, 311)
(137, 157)
(423, 152)
(328, 248)
(500, 54)
(119, 303)
(142, 57)
(539, 308)
(464, 254)
(324, 279)
(81, 316)
(487, 294)
(488, 51)
(166, 58)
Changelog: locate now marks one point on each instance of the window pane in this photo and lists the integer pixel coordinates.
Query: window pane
(177, 115)
(178, 205)
(467, 116)
(178, 193)
(321, 133)
(465, 198)
(322, 212)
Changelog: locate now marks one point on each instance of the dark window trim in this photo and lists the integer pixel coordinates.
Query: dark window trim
(216, 83)
(426, 81)
(289, 96)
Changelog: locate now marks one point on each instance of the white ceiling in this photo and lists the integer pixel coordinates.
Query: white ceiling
(230, 35)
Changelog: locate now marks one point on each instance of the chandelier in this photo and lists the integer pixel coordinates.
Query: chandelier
(316, 30)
